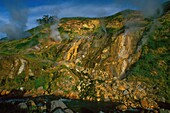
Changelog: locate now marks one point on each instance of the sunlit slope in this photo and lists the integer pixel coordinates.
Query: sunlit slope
(97, 59)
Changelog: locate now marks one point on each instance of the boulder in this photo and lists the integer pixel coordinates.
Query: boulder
(57, 104)
(31, 104)
(144, 103)
(121, 107)
(22, 105)
(58, 110)
(40, 90)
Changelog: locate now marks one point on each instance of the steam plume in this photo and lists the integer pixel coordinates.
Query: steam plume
(102, 23)
(150, 8)
(18, 14)
(55, 34)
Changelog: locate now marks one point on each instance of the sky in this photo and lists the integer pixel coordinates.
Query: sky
(25, 12)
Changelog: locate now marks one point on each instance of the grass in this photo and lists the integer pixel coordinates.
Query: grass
(42, 80)
(152, 67)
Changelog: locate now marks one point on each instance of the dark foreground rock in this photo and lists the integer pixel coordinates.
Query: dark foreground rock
(121, 59)
(52, 104)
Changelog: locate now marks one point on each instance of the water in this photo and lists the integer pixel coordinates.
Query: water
(77, 106)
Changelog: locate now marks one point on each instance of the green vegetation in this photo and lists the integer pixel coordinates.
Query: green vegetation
(91, 59)
(42, 80)
(152, 67)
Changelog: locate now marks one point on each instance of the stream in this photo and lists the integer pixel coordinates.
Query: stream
(42, 105)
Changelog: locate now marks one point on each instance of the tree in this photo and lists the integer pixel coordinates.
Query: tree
(46, 19)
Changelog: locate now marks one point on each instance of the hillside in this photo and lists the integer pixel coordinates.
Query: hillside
(120, 58)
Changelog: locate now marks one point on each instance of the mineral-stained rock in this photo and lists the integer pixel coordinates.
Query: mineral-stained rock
(152, 104)
(121, 107)
(4, 92)
(149, 103)
(40, 90)
(58, 93)
(139, 94)
(145, 103)
(27, 94)
(121, 88)
(73, 95)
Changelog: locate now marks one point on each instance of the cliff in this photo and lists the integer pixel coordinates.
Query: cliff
(120, 58)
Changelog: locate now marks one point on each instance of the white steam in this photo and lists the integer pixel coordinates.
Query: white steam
(18, 14)
(55, 34)
(150, 8)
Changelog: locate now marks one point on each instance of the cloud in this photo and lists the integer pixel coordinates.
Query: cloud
(45, 9)
(2, 35)
(72, 10)
(3, 19)
(37, 12)
(88, 10)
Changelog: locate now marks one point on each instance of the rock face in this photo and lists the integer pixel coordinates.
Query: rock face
(92, 63)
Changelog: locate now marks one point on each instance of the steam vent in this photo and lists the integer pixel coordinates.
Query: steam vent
(108, 64)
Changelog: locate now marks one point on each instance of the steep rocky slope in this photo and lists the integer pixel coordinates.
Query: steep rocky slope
(121, 58)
